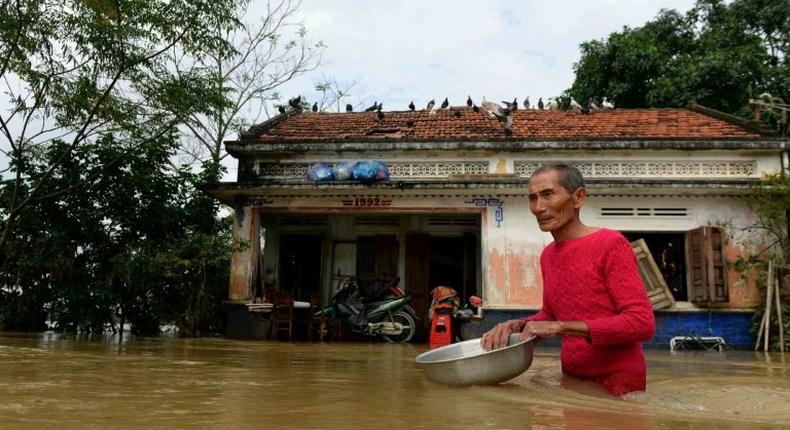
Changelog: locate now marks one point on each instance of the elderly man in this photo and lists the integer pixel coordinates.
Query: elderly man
(592, 292)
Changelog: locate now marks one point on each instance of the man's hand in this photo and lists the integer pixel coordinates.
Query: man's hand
(498, 336)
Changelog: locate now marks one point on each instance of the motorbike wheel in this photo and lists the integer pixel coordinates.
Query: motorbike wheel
(409, 327)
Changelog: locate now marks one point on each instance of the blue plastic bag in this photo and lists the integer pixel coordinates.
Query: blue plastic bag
(344, 171)
(370, 171)
(320, 172)
(365, 171)
(382, 172)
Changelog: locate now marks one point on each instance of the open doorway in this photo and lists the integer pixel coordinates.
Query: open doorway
(446, 263)
(300, 265)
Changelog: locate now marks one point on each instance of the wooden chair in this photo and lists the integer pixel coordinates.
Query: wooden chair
(283, 313)
(323, 326)
(314, 323)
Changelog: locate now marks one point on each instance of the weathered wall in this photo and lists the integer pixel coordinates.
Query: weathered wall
(733, 326)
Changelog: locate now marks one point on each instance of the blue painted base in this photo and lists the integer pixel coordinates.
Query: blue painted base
(732, 326)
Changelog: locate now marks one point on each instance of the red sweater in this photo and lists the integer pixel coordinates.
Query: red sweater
(595, 279)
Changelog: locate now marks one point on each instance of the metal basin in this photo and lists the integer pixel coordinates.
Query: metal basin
(467, 363)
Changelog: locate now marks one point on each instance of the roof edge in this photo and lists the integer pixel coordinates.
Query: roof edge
(239, 149)
(256, 130)
(748, 124)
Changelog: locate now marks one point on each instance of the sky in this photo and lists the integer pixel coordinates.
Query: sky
(398, 51)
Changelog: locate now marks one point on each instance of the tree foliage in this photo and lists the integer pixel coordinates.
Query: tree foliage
(719, 54)
(75, 72)
(100, 228)
(141, 245)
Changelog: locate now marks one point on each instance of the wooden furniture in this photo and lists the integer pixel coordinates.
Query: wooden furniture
(322, 326)
(282, 313)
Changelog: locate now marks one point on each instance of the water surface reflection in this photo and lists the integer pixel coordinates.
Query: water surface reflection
(50, 380)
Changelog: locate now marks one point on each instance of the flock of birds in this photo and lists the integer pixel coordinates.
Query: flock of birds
(501, 111)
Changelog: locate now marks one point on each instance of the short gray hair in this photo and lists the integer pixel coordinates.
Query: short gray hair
(570, 177)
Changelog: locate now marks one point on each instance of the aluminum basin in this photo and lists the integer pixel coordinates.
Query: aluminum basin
(467, 363)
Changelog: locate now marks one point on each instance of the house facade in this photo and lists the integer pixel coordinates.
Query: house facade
(455, 212)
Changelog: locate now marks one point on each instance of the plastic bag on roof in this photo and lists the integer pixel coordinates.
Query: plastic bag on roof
(383, 173)
(320, 172)
(344, 171)
(370, 171)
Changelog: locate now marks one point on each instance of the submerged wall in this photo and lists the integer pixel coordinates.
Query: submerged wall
(733, 326)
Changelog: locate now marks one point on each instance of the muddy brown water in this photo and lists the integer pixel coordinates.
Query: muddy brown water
(58, 382)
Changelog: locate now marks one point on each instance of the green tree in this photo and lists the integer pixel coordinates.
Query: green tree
(77, 71)
(141, 245)
(718, 54)
(769, 232)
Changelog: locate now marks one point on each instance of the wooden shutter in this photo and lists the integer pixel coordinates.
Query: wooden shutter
(657, 290)
(386, 257)
(707, 278)
(718, 265)
(697, 265)
(470, 266)
(417, 276)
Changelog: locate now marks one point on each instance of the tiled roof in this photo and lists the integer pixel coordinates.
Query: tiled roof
(467, 125)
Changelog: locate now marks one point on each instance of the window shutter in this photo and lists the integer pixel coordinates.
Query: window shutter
(718, 266)
(707, 266)
(657, 290)
(697, 266)
(417, 274)
(386, 253)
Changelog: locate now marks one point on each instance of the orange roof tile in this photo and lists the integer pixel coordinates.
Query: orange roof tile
(618, 124)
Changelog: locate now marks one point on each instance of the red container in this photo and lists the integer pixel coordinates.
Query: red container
(441, 330)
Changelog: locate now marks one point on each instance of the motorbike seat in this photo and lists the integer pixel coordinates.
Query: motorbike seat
(373, 291)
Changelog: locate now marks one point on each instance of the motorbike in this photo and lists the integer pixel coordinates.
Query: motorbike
(372, 310)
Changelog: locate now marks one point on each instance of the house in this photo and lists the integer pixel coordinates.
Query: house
(455, 211)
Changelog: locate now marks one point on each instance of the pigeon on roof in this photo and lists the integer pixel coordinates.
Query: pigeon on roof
(565, 103)
(540, 103)
(430, 104)
(296, 103)
(281, 109)
(372, 108)
(469, 102)
(411, 105)
(315, 107)
(445, 103)
(526, 102)
(553, 103)
(574, 104)
(514, 105)
(503, 115)
(349, 108)
(606, 104)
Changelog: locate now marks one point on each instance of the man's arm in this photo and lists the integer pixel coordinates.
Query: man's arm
(634, 321)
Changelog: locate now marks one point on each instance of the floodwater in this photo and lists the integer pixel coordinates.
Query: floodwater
(58, 382)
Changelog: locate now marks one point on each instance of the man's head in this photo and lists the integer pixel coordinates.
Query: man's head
(556, 194)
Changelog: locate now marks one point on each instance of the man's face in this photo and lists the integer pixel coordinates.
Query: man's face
(553, 206)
